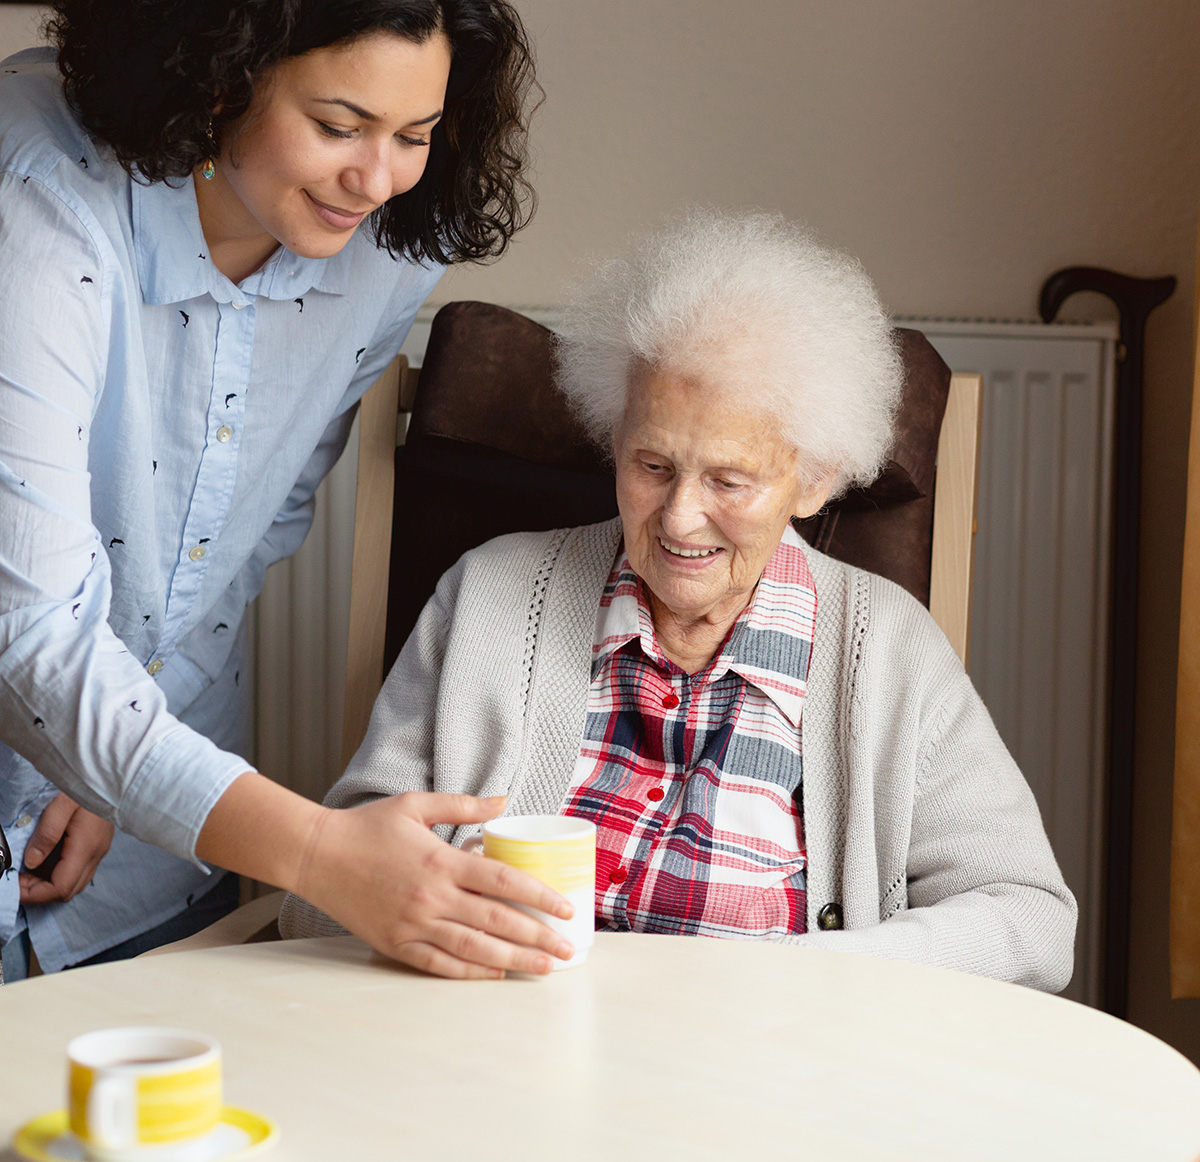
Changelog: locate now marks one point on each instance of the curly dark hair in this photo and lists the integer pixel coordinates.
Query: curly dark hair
(146, 76)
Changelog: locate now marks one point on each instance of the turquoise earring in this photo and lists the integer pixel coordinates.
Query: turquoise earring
(209, 167)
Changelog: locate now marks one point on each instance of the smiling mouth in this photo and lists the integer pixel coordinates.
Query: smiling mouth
(684, 551)
(335, 216)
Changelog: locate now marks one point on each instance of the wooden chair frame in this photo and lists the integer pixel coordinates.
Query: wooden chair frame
(955, 505)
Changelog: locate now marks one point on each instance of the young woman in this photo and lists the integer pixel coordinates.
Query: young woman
(217, 221)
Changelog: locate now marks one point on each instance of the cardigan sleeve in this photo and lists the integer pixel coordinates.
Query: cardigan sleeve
(979, 890)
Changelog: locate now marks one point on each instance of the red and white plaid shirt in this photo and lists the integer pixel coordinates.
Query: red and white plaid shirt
(693, 781)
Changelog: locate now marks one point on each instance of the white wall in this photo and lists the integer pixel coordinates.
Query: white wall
(964, 149)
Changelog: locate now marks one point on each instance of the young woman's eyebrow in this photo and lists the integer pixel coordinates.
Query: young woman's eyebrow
(359, 111)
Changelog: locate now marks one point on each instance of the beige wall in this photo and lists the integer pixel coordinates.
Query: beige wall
(18, 26)
(964, 149)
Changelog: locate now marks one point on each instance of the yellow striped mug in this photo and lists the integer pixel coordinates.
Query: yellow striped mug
(142, 1092)
(561, 852)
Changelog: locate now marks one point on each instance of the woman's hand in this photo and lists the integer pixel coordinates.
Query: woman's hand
(86, 842)
(380, 872)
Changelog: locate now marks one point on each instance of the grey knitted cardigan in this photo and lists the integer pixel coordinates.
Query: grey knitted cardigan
(917, 821)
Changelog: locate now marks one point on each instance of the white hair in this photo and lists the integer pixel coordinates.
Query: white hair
(751, 305)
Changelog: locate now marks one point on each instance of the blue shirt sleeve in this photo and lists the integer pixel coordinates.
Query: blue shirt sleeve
(73, 700)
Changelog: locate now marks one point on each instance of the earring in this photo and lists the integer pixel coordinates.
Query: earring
(209, 168)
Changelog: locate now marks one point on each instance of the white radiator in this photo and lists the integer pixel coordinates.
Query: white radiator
(1039, 639)
(299, 629)
(1040, 616)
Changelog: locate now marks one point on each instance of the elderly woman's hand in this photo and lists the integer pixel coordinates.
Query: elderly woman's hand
(379, 871)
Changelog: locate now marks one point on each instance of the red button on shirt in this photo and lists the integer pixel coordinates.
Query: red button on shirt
(618, 874)
(670, 701)
(655, 793)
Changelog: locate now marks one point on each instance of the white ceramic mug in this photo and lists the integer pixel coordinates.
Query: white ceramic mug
(561, 852)
(142, 1093)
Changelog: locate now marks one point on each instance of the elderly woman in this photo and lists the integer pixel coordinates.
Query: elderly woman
(772, 744)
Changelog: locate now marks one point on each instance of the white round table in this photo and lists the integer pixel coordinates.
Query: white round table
(658, 1048)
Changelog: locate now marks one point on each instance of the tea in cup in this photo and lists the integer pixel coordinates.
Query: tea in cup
(561, 852)
(142, 1093)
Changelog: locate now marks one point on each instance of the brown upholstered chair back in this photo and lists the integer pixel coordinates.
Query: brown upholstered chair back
(492, 448)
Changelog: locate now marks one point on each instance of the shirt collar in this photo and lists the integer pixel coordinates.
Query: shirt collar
(174, 266)
(770, 644)
(622, 608)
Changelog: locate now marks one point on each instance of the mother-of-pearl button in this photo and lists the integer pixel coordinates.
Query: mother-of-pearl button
(197, 552)
(224, 434)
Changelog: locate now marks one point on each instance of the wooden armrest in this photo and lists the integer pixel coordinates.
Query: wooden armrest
(248, 924)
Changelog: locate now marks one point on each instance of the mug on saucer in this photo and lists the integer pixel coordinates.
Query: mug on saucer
(142, 1093)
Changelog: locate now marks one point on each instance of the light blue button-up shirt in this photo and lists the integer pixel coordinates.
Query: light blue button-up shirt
(162, 432)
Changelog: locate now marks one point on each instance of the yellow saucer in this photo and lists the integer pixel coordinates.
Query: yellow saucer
(239, 1134)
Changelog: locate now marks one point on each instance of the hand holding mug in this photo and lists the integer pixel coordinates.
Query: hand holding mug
(379, 871)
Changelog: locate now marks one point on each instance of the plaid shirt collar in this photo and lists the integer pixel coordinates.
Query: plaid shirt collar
(776, 662)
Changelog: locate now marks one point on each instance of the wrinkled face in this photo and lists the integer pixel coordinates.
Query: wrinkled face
(331, 136)
(705, 492)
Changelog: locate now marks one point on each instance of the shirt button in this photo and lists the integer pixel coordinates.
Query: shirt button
(670, 701)
(618, 874)
(239, 306)
(25, 821)
(655, 793)
(154, 667)
(224, 434)
(197, 553)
